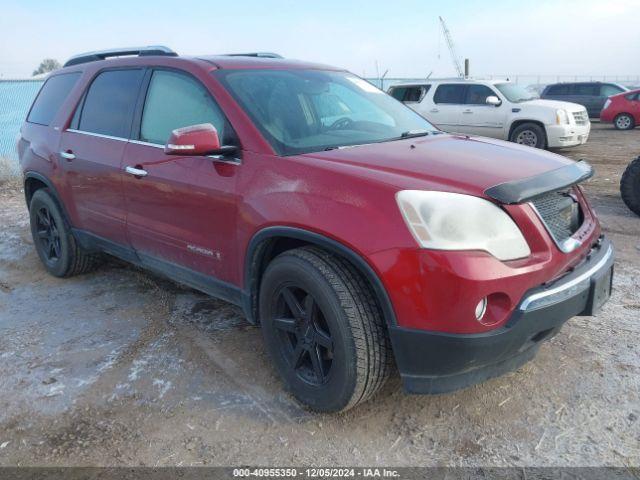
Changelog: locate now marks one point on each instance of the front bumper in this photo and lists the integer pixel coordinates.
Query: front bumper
(437, 362)
(559, 136)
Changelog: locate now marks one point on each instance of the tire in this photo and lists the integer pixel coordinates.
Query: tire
(58, 250)
(624, 121)
(338, 355)
(630, 186)
(530, 134)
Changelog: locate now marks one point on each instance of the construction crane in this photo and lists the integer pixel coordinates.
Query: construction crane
(452, 48)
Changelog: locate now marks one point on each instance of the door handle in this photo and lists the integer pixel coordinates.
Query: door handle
(467, 111)
(434, 110)
(136, 172)
(68, 155)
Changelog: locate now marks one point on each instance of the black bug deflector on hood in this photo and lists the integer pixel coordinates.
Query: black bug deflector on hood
(525, 189)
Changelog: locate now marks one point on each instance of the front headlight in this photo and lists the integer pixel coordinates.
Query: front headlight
(606, 104)
(562, 117)
(452, 221)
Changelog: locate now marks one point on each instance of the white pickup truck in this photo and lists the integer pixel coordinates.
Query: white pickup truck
(498, 109)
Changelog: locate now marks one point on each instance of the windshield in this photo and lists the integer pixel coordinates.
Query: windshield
(515, 93)
(301, 111)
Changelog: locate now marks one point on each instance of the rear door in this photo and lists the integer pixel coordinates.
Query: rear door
(588, 95)
(182, 213)
(93, 147)
(447, 109)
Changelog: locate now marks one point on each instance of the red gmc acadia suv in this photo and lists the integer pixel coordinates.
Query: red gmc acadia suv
(352, 230)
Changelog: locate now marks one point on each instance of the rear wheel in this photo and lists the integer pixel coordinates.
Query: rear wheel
(630, 186)
(529, 134)
(323, 329)
(624, 121)
(57, 248)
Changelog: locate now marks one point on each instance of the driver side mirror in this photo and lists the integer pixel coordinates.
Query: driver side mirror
(196, 140)
(493, 100)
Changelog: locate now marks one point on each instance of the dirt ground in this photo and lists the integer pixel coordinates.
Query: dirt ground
(119, 367)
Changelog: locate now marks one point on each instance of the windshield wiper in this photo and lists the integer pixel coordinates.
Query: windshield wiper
(414, 133)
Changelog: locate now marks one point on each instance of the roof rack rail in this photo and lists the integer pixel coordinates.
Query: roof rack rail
(120, 52)
(254, 54)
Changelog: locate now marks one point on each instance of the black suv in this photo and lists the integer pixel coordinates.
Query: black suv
(591, 95)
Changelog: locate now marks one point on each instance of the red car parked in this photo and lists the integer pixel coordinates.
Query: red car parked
(623, 110)
(344, 223)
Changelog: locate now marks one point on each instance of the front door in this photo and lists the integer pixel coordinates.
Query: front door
(478, 118)
(93, 148)
(182, 212)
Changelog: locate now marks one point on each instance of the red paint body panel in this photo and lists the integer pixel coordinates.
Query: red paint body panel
(621, 104)
(202, 214)
(184, 211)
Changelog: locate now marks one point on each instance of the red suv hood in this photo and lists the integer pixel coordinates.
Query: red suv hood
(446, 162)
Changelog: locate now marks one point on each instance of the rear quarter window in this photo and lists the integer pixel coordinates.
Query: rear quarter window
(51, 96)
(413, 94)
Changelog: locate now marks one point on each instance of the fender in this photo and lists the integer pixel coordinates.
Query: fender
(52, 189)
(254, 258)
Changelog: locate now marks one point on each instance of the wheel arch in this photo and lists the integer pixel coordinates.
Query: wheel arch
(628, 114)
(516, 123)
(271, 241)
(34, 181)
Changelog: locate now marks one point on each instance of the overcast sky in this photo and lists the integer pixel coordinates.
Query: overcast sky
(546, 37)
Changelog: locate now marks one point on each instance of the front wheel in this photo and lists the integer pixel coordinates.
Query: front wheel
(323, 329)
(624, 121)
(529, 134)
(630, 186)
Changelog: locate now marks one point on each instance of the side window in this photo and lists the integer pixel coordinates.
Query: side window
(54, 91)
(109, 103)
(586, 89)
(608, 90)
(416, 94)
(176, 100)
(410, 94)
(450, 93)
(558, 89)
(477, 94)
(398, 93)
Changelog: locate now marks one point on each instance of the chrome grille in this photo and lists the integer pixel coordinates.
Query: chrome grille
(581, 117)
(560, 212)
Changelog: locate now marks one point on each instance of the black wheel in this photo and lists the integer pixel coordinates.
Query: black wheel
(323, 329)
(630, 186)
(624, 121)
(56, 247)
(529, 134)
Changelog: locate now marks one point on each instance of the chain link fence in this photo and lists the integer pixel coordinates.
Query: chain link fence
(15, 99)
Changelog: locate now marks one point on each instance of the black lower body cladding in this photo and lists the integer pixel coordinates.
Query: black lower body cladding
(436, 362)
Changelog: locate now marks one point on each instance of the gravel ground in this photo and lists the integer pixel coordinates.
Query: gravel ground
(120, 367)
